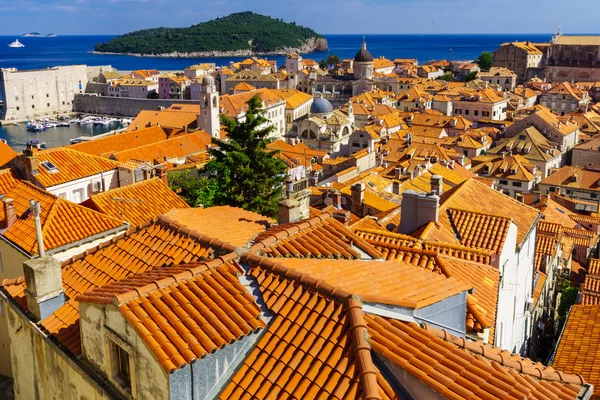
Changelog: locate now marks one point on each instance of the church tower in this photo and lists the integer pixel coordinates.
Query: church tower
(363, 63)
(208, 119)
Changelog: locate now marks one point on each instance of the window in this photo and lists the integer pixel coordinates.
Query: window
(476, 113)
(50, 167)
(466, 112)
(32, 106)
(521, 137)
(77, 196)
(503, 182)
(517, 184)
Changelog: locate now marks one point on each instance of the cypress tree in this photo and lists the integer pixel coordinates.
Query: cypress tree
(248, 175)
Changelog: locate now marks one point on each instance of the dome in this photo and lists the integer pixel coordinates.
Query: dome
(363, 55)
(321, 106)
(208, 80)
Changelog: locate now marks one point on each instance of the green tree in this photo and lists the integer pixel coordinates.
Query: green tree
(247, 174)
(471, 76)
(484, 60)
(332, 60)
(447, 77)
(568, 297)
(195, 191)
(323, 64)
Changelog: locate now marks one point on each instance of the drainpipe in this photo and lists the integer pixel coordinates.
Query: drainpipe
(35, 208)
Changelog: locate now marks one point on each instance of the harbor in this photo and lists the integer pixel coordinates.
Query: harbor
(51, 132)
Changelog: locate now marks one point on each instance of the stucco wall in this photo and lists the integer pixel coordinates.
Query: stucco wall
(121, 106)
(99, 324)
(584, 157)
(11, 266)
(41, 370)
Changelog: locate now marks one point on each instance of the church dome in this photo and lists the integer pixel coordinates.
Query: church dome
(208, 80)
(363, 54)
(321, 106)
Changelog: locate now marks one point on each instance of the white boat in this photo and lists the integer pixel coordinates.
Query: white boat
(16, 43)
(126, 121)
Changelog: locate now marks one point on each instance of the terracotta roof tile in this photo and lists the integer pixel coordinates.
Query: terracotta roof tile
(318, 237)
(169, 118)
(120, 142)
(578, 351)
(457, 369)
(6, 154)
(137, 203)
(8, 180)
(390, 282)
(153, 246)
(235, 225)
(72, 165)
(179, 146)
(63, 222)
(480, 230)
(206, 306)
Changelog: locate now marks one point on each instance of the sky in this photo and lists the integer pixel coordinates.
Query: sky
(95, 17)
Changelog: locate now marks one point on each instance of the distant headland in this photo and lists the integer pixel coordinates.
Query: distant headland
(37, 34)
(240, 34)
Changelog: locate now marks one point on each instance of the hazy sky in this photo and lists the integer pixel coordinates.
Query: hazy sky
(324, 16)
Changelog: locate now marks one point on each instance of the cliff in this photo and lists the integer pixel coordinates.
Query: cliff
(240, 34)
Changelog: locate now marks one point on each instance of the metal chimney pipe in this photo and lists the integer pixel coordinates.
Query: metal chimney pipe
(35, 208)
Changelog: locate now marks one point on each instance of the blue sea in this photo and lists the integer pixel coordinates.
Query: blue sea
(41, 53)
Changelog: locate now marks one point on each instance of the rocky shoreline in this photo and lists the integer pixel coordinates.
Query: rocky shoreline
(312, 44)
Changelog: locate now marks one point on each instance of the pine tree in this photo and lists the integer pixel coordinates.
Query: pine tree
(248, 175)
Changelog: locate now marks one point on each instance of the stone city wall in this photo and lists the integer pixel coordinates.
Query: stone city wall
(120, 106)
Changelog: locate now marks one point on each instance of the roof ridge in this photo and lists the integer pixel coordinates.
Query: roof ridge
(255, 260)
(194, 270)
(505, 358)
(478, 213)
(194, 235)
(123, 188)
(362, 349)
(295, 227)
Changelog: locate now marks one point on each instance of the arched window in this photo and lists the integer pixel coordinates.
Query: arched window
(214, 101)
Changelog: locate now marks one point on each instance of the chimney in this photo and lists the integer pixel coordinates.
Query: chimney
(417, 210)
(31, 160)
(10, 216)
(336, 196)
(437, 184)
(397, 173)
(36, 210)
(44, 292)
(358, 197)
(520, 197)
(396, 187)
(343, 216)
(289, 211)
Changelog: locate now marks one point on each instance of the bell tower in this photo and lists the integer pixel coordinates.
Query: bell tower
(208, 119)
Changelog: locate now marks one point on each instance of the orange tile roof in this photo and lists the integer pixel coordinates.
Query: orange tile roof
(474, 196)
(179, 146)
(72, 165)
(185, 312)
(389, 282)
(156, 245)
(243, 86)
(137, 203)
(590, 290)
(574, 177)
(556, 213)
(229, 224)
(546, 245)
(123, 141)
(594, 267)
(235, 104)
(63, 222)
(316, 346)
(318, 237)
(169, 118)
(293, 98)
(459, 369)
(6, 154)
(8, 180)
(480, 230)
(514, 167)
(578, 350)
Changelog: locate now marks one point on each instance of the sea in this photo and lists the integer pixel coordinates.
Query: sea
(42, 53)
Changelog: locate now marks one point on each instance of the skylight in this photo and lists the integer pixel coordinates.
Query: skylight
(49, 166)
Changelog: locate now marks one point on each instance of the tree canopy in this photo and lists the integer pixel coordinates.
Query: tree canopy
(484, 60)
(471, 76)
(245, 173)
(238, 31)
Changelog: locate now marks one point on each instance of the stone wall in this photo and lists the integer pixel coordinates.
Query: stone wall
(585, 157)
(120, 106)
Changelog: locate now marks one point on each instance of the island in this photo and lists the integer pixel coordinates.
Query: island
(238, 34)
(37, 34)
